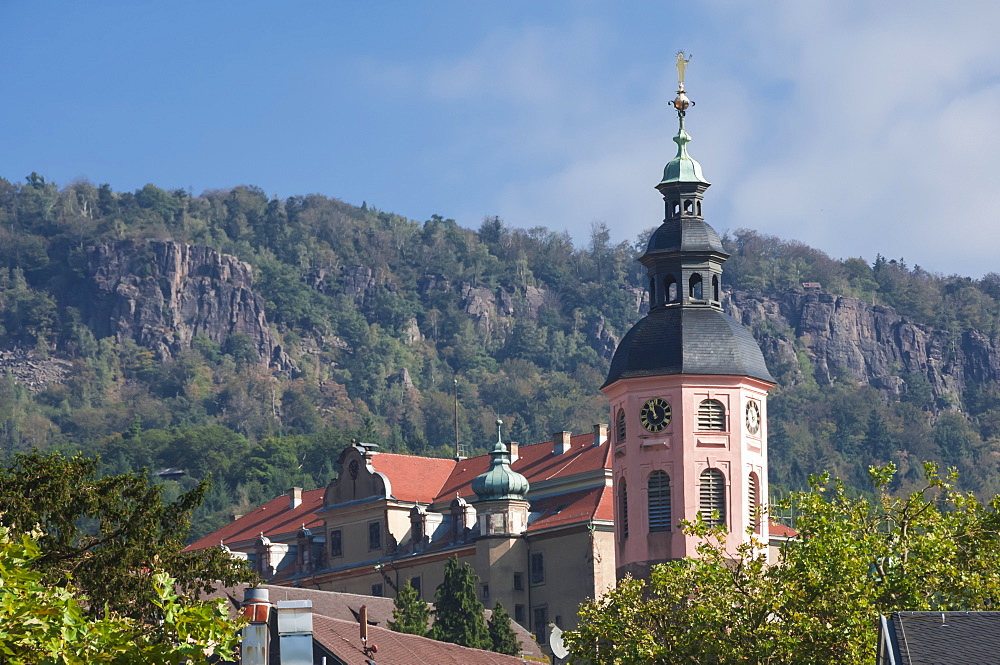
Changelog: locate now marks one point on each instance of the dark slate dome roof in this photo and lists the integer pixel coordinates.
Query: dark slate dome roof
(687, 340)
(684, 235)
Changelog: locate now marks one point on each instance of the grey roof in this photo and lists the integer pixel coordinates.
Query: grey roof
(940, 638)
(684, 234)
(687, 340)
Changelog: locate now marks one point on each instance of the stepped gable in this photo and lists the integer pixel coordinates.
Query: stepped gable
(273, 518)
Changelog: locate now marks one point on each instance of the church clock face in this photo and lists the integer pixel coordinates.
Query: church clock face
(753, 417)
(655, 415)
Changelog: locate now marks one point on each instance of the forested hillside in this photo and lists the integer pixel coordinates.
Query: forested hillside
(338, 322)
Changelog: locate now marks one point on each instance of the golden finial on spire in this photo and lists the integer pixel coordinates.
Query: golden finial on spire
(681, 101)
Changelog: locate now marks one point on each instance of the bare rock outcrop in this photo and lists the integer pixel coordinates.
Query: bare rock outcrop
(161, 294)
(847, 338)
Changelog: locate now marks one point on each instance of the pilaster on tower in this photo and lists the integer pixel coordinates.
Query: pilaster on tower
(688, 388)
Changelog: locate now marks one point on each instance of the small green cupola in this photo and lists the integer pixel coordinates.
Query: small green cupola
(500, 481)
(683, 167)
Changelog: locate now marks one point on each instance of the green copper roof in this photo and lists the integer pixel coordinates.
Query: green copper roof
(682, 168)
(500, 481)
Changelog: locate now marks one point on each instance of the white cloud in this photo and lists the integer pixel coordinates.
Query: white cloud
(856, 127)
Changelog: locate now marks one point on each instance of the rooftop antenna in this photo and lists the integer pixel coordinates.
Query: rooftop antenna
(460, 451)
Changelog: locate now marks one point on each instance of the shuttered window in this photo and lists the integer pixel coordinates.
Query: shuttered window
(713, 497)
(711, 416)
(658, 492)
(621, 426)
(623, 508)
(752, 501)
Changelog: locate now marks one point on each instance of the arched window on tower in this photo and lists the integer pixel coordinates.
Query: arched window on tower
(623, 508)
(713, 497)
(694, 287)
(698, 204)
(675, 208)
(715, 287)
(620, 429)
(658, 498)
(670, 286)
(652, 292)
(688, 207)
(753, 501)
(711, 416)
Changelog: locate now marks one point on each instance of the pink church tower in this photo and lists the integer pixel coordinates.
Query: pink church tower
(688, 390)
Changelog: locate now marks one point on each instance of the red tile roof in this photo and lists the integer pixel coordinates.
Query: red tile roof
(342, 639)
(414, 478)
(536, 463)
(777, 529)
(596, 503)
(424, 480)
(275, 516)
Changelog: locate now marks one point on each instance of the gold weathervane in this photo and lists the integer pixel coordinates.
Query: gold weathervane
(681, 101)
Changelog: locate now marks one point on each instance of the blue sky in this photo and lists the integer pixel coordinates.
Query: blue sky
(856, 127)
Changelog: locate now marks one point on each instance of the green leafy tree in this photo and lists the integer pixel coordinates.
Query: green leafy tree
(501, 634)
(110, 536)
(855, 558)
(459, 617)
(410, 614)
(45, 624)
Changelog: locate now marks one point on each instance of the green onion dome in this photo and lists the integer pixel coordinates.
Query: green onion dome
(500, 481)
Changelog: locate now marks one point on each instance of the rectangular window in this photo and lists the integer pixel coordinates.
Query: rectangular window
(541, 624)
(518, 581)
(519, 613)
(377, 590)
(336, 547)
(537, 568)
(415, 583)
(486, 591)
(374, 535)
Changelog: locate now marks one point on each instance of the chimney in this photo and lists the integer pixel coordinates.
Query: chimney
(295, 632)
(512, 447)
(254, 646)
(294, 497)
(600, 433)
(560, 442)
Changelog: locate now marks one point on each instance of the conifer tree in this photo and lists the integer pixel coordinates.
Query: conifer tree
(459, 617)
(410, 614)
(501, 634)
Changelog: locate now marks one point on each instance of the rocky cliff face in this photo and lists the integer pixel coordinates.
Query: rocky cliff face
(870, 344)
(161, 294)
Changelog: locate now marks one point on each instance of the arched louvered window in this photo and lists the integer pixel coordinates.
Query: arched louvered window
(694, 287)
(715, 287)
(713, 497)
(670, 288)
(658, 496)
(752, 502)
(652, 292)
(623, 508)
(711, 416)
(620, 429)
